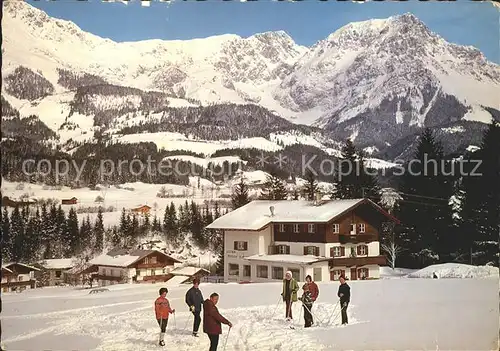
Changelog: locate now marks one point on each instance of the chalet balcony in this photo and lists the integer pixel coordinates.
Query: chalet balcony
(12, 283)
(278, 250)
(358, 261)
(151, 265)
(107, 277)
(157, 278)
(356, 238)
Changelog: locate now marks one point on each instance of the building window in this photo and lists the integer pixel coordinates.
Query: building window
(58, 274)
(146, 260)
(20, 278)
(234, 269)
(337, 251)
(152, 272)
(283, 249)
(363, 273)
(311, 250)
(296, 228)
(336, 228)
(153, 259)
(277, 272)
(362, 228)
(362, 250)
(282, 228)
(241, 245)
(337, 273)
(261, 271)
(138, 272)
(353, 252)
(353, 228)
(295, 273)
(311, 228)
(247, 271)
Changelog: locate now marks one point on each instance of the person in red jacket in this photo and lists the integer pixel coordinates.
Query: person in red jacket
(162, 310)
(212, 321)
(313, 289)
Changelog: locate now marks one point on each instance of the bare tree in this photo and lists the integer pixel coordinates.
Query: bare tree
(393, 251)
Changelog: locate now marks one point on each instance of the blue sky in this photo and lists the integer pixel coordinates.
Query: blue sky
(462, 21)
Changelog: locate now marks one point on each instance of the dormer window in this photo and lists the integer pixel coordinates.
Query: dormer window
(311, 228)
(282, 228)
(362, 228)
(336, 228)
(296, 228)
(353, 228)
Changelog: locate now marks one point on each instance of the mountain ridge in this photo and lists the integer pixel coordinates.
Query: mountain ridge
(376, 81)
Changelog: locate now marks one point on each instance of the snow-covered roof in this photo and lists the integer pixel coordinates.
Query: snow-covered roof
(9, 264)
(307, 259)
(60, 263)
(256, 214)
(124, 258)
(187, 271)
(6, 269)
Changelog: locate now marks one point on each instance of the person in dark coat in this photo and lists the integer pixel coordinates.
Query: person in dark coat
(307, 303)
(212, 321)
(344, 294)
(194, 300)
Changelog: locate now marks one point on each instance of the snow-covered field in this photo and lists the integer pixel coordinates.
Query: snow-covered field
(128, 196)
(411, 314)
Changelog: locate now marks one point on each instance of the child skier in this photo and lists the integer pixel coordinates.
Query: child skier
(162, 310)
(307, 303)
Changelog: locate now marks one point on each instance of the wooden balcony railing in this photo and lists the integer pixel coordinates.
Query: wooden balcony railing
(357, 261)
(356, 238)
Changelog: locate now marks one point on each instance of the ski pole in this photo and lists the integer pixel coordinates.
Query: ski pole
(277, 305)
(227, 336)
(307, 308)
(187, 321)
(175, 322)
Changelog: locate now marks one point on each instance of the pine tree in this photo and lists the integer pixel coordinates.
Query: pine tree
(124, 223)
(240, 195)
(146, 225)
(274, 188)
(17, 232)
(170, 223)
(72, 238)
(354, 181)
(311, 186)
(134, 230)
(197, 225)
(156, 226)
(99, 232)
(481, 204)
(7, 244)
(216, 210)
(61, 233)
(427, 221)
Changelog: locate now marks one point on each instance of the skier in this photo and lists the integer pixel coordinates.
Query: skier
(289, 294)
(162, 310)
(307, 303)
(194, 300)
(313, 288)
(344, 294)
(212, 321)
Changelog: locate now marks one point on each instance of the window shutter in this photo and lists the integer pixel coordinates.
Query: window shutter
(366, 249)
(331, 252)
(245, 245)
(342, 251)
(305, 250)
(316, 251)
(358, 250)
(235, 245)
(287, 250)
(367, 271)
